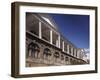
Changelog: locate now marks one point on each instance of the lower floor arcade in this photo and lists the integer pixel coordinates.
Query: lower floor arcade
(41, 53)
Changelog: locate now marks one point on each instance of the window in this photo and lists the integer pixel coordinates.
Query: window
(33, 50)
(73, 51)
(47, 52)
(66, 58)
(32, 24)
(76, 52)
(62, 57)
(65, 46)
(71, 60)
(45, 32)
(61, 43)
(70, 49)
(55, 40)
(56, 55)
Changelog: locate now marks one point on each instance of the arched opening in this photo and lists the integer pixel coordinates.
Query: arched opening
(71, 61)
(56, 55)
(67, 60)
(33, 50)
(62, 57)
(47, 53)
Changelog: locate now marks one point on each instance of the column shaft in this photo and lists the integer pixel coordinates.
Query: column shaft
(50, 36)
(40, 31)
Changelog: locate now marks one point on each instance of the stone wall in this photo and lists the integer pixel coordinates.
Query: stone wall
(41, 53)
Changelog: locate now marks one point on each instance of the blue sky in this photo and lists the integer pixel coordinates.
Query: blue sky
(74, 27)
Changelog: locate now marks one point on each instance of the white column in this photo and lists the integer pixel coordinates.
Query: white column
(40, 31)
(50, 36)
(67, 48)
(63, 45)
(71, 51)
(57, 43)
(78, 53)
(81, 55)
(74, 52)
(59, 40)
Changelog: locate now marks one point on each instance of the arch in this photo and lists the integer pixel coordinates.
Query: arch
(62, 57)
(47, 52)
(33, 46)
(66, 58)
(57, 55)
(33, 50)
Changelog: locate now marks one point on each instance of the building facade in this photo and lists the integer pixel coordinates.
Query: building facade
(45, 46)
